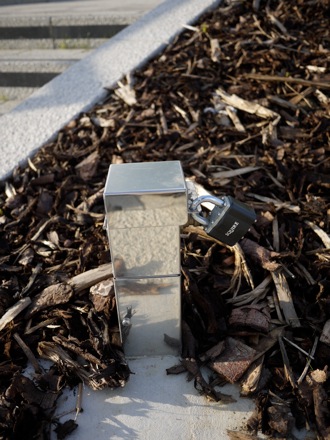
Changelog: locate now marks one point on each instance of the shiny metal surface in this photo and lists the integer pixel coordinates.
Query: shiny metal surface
(203, 199)
(155, 308)
(145, 205)
(145, 252)
(153, 193)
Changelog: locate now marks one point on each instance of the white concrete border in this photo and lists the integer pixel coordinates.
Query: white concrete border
(38, 119)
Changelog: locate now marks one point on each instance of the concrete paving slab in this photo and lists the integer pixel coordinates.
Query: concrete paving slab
(153, 405)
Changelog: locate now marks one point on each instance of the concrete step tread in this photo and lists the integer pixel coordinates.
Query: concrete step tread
(42, 54)
(39, 61)
(66, 20)
(56, 66)
(15, 94)
(82, 8)
(47, 43)
(8, 105)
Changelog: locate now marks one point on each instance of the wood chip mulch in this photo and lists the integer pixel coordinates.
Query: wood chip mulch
(242, 99)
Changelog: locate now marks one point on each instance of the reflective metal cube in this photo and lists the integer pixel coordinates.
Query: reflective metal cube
(145, 205)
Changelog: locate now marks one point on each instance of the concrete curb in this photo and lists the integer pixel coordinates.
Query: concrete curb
(41, 116)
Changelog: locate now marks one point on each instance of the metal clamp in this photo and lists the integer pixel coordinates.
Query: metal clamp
(203, 199)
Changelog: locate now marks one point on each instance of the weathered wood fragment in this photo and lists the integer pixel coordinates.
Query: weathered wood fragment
(14, 311)
(285, 298)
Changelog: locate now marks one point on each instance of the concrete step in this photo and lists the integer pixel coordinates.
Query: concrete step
(36, 67)
(22, 72)
(41, 39)
(59, 32)
(34, 50)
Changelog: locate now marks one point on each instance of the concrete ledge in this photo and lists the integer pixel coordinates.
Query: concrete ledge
(153, 405)
(55, 66)
(41, 116)
(25, 2)
(66, 8)
(15, 93)
(44, 21)
(48, 43)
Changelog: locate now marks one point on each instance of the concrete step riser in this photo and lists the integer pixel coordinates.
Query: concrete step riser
(57, 37)
(26, 79)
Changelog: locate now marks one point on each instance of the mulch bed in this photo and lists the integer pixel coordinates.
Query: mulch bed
(241, 98)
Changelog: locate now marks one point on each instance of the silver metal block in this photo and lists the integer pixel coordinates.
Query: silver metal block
(145, 205)
(150, 314)
(145, 195)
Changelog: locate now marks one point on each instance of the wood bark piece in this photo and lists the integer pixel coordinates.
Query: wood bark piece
(13, 311)
(53, 352)
(308, 363)
(213, 352)
(281, 419)
(247, 298)
(320, 232)
(325, 335)
(287, 367)
(251, 317)
(63, 292)
(279, 204)
(285, 298)
(234, 361)
(23, 387)
(260, 255)
(316, 380)
(288, 79)
(232, 173)
(238, 435)
(251, 379)
(28, 352)
(267, 342)
(90, 277)
(51, 296)
(247, 106)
